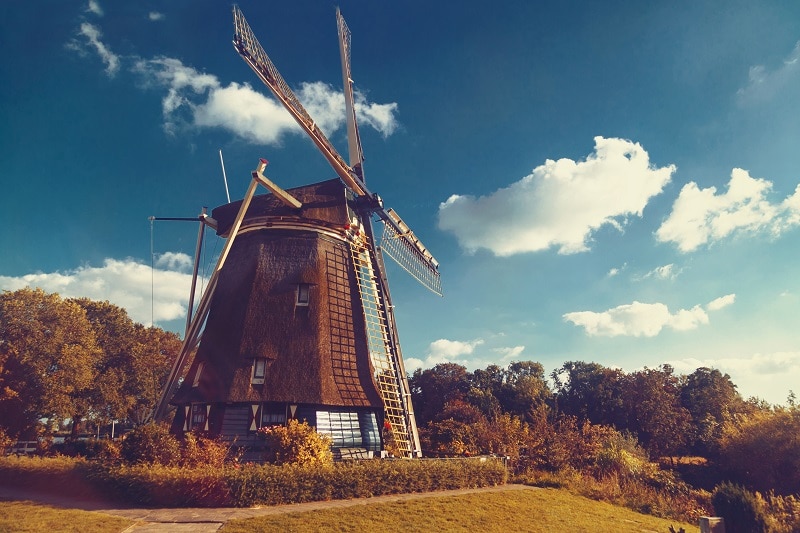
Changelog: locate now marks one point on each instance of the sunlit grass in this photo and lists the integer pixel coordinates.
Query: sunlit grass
(533, 510)
(26, 516)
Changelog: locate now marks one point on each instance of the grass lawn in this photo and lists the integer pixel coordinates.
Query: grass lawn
(544, 510)
(34, 517)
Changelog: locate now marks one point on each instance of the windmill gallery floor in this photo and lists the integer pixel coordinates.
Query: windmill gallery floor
(204, 520)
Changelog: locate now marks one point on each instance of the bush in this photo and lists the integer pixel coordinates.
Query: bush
(90, 449)
(296, 443)
(198, 450)
(762, 451)
(248, 485)
(740, 508)
(150, 444)
(784, 511)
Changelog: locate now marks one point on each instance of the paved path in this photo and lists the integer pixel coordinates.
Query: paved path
(204, 519)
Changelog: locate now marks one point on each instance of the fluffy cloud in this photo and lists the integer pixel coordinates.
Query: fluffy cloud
(126, 283)
(721, 302)
(510, 353)
(443, 351)
(701, 216)
(94, 7)
(560, 204)
(155, 16)
(644, 320)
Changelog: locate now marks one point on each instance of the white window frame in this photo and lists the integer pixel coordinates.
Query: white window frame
(303, 296)
(256, 377)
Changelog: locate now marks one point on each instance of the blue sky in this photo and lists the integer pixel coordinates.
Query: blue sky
(613, 182)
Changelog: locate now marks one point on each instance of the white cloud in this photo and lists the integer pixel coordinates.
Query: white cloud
(155, 16)
(509, 353)
(774, 372)
(616, 271)
(92, 34)
(560, 204)
(765, 84)
(644, 320)
(444, 351)
(94, 7)
(665, 272)
(178, 261)
(721, 302)
(701, 216)
(198, 99)
(126, 283)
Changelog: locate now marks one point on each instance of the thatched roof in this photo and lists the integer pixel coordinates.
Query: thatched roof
(316, 354)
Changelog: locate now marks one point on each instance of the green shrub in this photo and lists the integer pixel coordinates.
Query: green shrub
(248, 485)
(198, 451)
(784, 512)
(296, 443)
(742, 511)
(90, 449)
(150, 444)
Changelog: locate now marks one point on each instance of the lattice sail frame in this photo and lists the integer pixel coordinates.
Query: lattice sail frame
(410, 257)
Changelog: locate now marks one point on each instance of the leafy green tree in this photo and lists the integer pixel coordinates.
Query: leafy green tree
(433, 387)
(115, 335)
(590, 392)
(524, 389)
(654, 412)
(151, 362)
(134, 364)
(48, 352)
(712, 399)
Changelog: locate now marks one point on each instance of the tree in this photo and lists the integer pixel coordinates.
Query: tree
(762, 450)
(134, 365)
(711, 398)
(433, 387)
(48, 352)
(115, 335)
(653, 410)
(524, 389)
(590, 392)
(150, 364)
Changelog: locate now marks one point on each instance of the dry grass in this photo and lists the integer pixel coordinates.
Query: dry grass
(24, 516)
(534, 510)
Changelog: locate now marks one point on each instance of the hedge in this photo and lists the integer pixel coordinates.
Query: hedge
(249, 485)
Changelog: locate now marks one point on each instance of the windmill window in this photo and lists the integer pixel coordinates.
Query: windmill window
(199, 415)
(273, 416)
(197, 374)
(303, 293)
(259, 371)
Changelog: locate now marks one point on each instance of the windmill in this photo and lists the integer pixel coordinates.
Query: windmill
(297, 319)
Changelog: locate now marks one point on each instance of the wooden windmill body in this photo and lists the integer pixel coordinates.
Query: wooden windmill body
(297, 319)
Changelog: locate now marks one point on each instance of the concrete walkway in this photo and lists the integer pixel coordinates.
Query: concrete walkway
(203, 519)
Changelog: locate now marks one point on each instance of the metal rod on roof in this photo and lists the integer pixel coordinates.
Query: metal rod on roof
(224, 177)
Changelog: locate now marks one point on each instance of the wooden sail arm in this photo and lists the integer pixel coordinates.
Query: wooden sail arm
(353, 136)
(195, 327)
(246, 44)
(280, 194)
